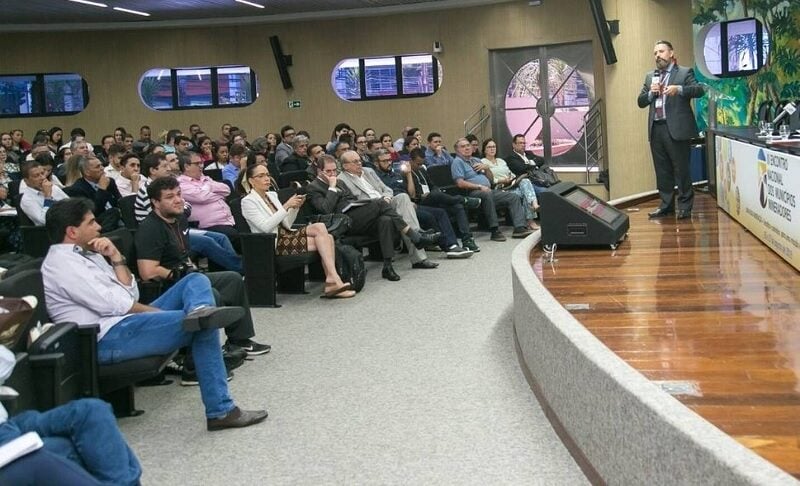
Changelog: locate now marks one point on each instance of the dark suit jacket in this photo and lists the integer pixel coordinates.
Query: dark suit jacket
(327, 202)
(678, 108)
(82, 188)
(518, 165)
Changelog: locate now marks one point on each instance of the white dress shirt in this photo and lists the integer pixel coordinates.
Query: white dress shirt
(261, 218)
(81, 287)
(34, 204)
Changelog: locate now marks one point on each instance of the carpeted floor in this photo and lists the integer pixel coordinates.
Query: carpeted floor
(410, 382)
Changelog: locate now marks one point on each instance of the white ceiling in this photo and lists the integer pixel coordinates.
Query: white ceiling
(30, 15)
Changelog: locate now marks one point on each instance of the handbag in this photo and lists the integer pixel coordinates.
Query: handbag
(543, 176)
(337, 224)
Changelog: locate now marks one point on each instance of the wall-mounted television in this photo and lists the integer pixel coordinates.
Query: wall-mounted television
(735, 48)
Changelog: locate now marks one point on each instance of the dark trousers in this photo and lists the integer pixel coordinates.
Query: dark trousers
(377, 218)
(454, 205)
(437, 219)
(228, 288)
(671, 162)
(491, 200)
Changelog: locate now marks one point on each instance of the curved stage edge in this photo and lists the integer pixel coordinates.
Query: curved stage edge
(619, 427)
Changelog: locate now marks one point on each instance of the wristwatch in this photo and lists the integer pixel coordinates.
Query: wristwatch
(120, 263)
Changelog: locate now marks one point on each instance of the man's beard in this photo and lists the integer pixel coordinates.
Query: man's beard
(662, 63)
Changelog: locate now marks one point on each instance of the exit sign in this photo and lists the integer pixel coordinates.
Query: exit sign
(294, 103)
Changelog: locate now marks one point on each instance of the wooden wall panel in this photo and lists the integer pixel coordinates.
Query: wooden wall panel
(113, 61)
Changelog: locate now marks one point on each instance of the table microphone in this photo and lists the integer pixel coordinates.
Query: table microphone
(788, 109)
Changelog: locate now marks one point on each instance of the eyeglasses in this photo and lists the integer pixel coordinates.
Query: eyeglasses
(491, 146)
(193, 163)
(461, 145)
(330, 172)
(260, 176)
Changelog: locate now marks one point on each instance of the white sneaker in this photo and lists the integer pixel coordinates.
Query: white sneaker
(456, 251)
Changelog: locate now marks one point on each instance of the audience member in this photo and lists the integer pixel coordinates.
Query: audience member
(429, 217)
(38, 193)
(365, 185)
(505, 180)
(86, 281)
(145, 134)
(338, 131)
(207, 197)
(520, 161)
(436, 153)
(115, 153)
(81, 433)
(96, 186)
(284, 149)
(54, 138)
(129, 179)
(162, 251)
(470, 174)
(265, 214)
(238, 157)
(375, 217)
(476, 145)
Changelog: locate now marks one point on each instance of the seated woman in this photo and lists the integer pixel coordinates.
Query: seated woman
(265, 214)
(504, 180)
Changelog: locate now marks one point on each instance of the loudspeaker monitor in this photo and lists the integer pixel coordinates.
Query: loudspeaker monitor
(282, 61)
(603, 32)
(573, 216)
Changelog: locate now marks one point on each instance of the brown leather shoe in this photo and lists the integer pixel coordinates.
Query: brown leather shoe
(237, 418)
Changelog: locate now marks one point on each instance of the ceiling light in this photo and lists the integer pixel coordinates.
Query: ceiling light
(87, 2)
(134, 12)
(249, 3)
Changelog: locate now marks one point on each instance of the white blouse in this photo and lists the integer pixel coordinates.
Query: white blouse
(261, 217)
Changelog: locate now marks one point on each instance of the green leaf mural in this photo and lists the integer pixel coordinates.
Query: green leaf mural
(777, 81)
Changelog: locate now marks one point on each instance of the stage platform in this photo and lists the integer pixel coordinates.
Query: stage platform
(703, 311)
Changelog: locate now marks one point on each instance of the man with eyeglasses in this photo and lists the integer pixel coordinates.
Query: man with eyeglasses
(365, 184)
(361, 149)
(473, 176)
(284, 149)
(374, 217)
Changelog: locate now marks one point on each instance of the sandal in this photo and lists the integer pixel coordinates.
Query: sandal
(335, 292)
(345, 294)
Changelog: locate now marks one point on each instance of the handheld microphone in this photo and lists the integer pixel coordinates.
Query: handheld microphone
(657, 80)
(788, 109)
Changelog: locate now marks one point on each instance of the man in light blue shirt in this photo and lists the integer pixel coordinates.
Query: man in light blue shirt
(436, 153)
(471, 175)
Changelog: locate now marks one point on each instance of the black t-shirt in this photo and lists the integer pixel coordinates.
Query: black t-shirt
(163, 242)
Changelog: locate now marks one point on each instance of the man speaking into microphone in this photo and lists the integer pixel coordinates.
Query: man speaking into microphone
(670, 125)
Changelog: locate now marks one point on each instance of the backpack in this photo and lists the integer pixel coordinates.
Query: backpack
(543, 176)
(350, 266)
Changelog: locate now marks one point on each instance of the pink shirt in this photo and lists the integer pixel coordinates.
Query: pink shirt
(207, 198)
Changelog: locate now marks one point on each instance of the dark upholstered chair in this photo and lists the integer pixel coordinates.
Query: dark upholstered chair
(73, 370)
(127, 206)
(264, 272)
(34, 241)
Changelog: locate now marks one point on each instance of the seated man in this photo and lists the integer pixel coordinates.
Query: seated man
(366, 186)
(468, 173)
(81, 286)
(422, 190)
(208, 198)
(284, 149)
(210, 244)
(436, 153)
(96, 186)
(373, 217)
(80, 438)
(129, 179)
(430, 217)
(298, 159)
(520, 161)
(38, 194)
(115, 153)
(237, 156)
(162, 251)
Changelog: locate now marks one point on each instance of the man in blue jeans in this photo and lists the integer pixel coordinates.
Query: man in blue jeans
(80, 439)
(87, 281)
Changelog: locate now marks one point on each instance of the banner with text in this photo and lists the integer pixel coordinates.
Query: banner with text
(759, 188)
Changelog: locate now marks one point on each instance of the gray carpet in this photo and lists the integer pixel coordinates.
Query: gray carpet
(412, 382)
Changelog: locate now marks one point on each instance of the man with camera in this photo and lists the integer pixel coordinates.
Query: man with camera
(162, 249)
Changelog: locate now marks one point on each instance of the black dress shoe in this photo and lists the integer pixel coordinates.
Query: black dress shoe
(425, 264)
(208, 317)
(684, 215)
(389, 274)
(236, 418)
(660, 213)
(426, 239)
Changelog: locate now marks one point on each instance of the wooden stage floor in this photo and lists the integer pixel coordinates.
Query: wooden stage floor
(700, 301)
